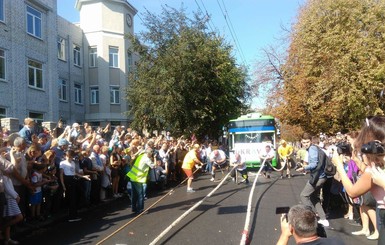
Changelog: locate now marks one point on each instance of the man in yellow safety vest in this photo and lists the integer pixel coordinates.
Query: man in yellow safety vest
(138, 176)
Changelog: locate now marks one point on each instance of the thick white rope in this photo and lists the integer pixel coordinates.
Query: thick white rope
(161, 235)
(245, 232)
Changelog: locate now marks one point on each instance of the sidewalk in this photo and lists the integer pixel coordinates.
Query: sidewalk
(28, 228)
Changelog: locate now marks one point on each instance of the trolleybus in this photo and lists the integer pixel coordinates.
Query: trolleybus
(249, 134)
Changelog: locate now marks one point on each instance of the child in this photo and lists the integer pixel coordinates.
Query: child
(50, 190)
(36, 198)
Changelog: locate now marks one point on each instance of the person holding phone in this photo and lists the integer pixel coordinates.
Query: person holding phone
(301, 223)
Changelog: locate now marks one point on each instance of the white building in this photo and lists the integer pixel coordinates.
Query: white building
(51, 68)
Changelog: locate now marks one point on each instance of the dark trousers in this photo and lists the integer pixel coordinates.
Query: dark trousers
(310, 196)
(71, 195)
(137, 197)
(96, 186)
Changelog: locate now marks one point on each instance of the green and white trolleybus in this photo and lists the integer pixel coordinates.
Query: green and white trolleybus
(249, 134)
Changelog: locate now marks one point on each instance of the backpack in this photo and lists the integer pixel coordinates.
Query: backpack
(330, 170)
(325, 163)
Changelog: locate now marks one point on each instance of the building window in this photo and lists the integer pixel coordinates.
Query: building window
(76, 55)
(94, 95)
(3, 112)
(35, 74)
(38, 117)
(78, 94)
(114, 95)
(129, 62)
(63, 90)
(61, 48)
(93, 56)
(2, 10)
(33, 22)
(114, 57)
(2, 65)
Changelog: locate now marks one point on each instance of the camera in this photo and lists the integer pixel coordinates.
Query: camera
(344, 148)
(373, 147)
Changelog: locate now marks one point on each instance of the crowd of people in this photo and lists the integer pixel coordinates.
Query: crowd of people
(359, 158)
(83, 166)
(72, 167)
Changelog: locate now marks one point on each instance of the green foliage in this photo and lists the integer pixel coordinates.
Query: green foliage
(334, 73)
(186, 79)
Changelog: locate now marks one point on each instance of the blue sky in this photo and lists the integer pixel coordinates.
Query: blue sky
(256, 23)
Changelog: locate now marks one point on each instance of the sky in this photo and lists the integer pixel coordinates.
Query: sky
(254, 24)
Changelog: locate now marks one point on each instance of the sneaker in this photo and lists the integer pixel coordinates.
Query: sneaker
(281, 177)
(190, 190)
(233, 179)
(74, 219)
(212, 179)
(324, 222)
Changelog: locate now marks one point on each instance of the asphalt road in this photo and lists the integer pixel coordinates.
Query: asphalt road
(220, 219)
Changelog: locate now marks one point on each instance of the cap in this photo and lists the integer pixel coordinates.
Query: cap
(63, 142)
(42, 136)
(75, 125)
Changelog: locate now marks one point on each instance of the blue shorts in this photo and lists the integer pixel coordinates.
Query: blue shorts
(36, 198)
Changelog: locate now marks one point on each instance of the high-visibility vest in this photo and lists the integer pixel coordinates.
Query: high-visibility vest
(138, 173)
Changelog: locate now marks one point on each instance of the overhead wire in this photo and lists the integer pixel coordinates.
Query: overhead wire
(232, 27)
(207, 15)
(232, 31)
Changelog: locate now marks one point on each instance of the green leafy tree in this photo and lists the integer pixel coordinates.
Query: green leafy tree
(186, 79)
(335, 68)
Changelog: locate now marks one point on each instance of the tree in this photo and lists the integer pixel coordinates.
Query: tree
(334, 72)
(186, 79)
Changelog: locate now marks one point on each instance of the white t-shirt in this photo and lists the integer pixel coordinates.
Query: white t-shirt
(36, 177)
(69, 168)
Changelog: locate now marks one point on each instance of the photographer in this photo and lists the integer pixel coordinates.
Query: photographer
(301, 223)
(367, 149)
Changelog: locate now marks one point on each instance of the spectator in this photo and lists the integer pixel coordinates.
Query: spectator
(96, 181)
(372, 135)
(44, 141)
(301, 223)
(85, 163)
(116, 164)
(69, 172)
(36, 197)
(27, 131)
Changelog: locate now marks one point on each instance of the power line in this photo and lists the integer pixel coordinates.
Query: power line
(232, 31)
(207, 14)
(232, 27)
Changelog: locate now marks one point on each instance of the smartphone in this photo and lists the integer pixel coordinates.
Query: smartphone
(282, 210)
